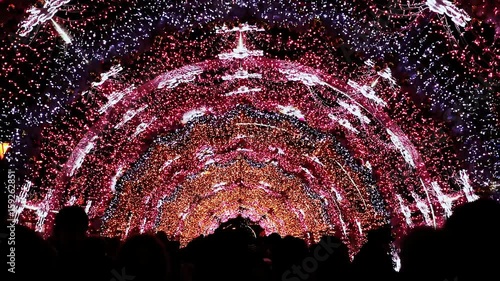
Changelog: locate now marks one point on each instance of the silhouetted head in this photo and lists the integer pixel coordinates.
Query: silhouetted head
(335, 247)
(96, 246)
(332, 257)
(34, 258)
(71, 223)
(274, 238)
(380, 235)
(162, 236)
(112, 246)
(144, 257)
(480, 217)
(422, 254)
(289, 251)
(472, 235)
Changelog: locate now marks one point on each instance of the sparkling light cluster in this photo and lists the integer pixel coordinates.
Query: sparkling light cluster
(307, 117)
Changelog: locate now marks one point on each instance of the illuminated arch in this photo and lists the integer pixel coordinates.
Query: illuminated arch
(131, 148)
(305, 106)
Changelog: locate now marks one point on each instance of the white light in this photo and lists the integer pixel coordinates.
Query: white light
(292, 74)
(62, 32)
(369, 63)
(79, 156)
(184, 215)
(264, 183)
(243, 90)
(114, 98)
(43, 210)
(243, 28)
(395, 259)
(128, 225)
(87, 208)
(368, 165)
(367, 92)
(445, 201)
(424, 209)
(316, 160)
(72, 200)
(360, 229)
(204, 153)
(192, 114)
(291, 111)
(337, 194)
(143, 224)
(354, 110)
(458, 16)
(405, 210)
(219, 186)
(106, 75)
(307, 172)
(344, 123)
(142, 127)
(241, 51)
(174, 78)
(115, 178)
(401, 147)
(40, 15)
(386, 73)
(342, 223)
(209, 161)
(241, 74)
(21, 201)
(169, 162)
(128, 116)
(467, 188)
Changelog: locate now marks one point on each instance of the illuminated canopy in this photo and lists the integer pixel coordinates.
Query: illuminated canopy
(307, 119)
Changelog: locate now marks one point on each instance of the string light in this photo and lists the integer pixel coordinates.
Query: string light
(316, 118)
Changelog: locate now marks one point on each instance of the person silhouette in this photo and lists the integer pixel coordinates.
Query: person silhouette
(70, 228)
(473, 247)
(422, 255)
(374, 261)
(34, 257)
(331, 263)
(69, 237)
(143, 257)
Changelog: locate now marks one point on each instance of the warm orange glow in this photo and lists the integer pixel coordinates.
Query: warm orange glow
(5, 147)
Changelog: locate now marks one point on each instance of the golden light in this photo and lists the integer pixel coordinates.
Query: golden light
(5, 147)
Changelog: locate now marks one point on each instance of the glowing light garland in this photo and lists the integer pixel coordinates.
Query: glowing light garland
(292, 128)
(457, 15)
(39, 16)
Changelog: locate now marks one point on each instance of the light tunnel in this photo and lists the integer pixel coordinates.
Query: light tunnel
(262, 120)
(269, 140)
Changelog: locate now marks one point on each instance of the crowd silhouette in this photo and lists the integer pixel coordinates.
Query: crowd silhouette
(466, 248)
